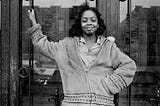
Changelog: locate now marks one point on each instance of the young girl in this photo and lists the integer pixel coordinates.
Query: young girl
(92, 67)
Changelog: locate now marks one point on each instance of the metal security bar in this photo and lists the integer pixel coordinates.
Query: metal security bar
(25, 72)
(129, 34)
(31, 59)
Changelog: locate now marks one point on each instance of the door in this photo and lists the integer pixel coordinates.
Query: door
(139, 31)
(39, 78)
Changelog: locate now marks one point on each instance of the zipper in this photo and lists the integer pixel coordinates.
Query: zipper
(85, 70)
(89, 85)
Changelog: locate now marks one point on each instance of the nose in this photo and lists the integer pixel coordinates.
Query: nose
(89, 22)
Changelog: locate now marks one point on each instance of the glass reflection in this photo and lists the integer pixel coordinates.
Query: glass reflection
(144, 48)
(55, 19)
(144, 44)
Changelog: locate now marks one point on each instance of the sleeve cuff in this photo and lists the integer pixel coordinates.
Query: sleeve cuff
(115, 83)
(34, 28)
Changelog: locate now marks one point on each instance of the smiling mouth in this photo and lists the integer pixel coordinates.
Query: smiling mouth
(89, 28)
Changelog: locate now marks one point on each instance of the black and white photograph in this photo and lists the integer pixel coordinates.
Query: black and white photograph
(79, 52)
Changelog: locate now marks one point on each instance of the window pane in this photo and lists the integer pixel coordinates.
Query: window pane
(144, 49)
(55, 19)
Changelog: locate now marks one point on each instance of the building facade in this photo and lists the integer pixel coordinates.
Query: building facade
(21, 86)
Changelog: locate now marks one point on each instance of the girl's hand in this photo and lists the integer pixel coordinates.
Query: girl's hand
(32, 17)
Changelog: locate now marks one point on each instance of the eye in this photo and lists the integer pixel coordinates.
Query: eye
(84, 19)
(93, 19)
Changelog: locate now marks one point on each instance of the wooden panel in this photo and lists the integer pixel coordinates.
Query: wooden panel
(14, 51)
(110, 13)
(9, 51)
(5, 54)
(0, 15)
(102, 7)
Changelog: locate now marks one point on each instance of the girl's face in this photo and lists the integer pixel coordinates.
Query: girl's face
(89, 22)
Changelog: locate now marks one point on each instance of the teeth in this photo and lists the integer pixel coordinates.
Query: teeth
(89, 27)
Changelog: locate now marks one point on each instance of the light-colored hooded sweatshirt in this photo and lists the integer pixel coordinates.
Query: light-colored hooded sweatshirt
(111, 72)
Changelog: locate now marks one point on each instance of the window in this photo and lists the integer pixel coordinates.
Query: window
(139, 31)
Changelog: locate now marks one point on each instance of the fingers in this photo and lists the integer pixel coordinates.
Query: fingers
(31, 11)
(32, 16)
